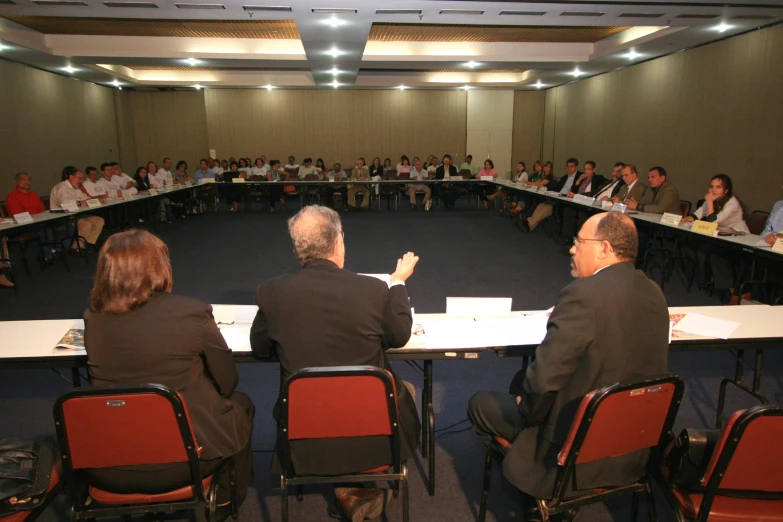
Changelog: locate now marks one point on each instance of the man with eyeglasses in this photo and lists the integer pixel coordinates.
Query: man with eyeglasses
(609, 325)
(324, 315)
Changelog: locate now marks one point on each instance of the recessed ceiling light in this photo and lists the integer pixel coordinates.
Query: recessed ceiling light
(191, 61)
(69, 69)
(576, 73)
(632, 55)
(197, 87)
(335, 84)
(472, 64)
(116, 83)
(466, 87)
(120, 88)
(722, 27)
(402, 87)
(269, 87)
(334, 70)
(334, 22)
(3, 47)
(538, 84)
(334, 52)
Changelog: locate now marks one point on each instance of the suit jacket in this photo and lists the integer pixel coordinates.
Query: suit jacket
(440, 172)
(638, 191)
(665, 198)
(596, 183)
(560, 182)
(325, 316)
(616, 190)
(590, 343)
(173, 340)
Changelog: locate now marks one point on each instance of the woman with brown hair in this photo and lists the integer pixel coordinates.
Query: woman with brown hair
(136, 332)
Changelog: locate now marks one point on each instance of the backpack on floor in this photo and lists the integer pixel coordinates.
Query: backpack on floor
(25, 470)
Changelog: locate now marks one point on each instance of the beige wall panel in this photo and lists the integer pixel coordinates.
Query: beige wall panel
(713, 109)
(528, 127)
(50, 121)
(169, 124)
(490, 123)
(125, 132)
(337, 125)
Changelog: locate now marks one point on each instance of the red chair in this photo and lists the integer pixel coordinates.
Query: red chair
(335, 402)
(744, 478)
(610, 422)
(99, 428)
(51, 491)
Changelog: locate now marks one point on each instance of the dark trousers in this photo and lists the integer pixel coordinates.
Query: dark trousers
(275, 193)
(154, 479)
(343, 190)
(448, 192)
(573, 219)
(486, 190)
(495, 414)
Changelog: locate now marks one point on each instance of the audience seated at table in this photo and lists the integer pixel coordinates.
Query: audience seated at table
(337, 173)
(508, 197)
(418, 172)
(307, 168)
(563, 185)
(359, 173)
(448, 192)
(661, 196)
(588, 184)
(89, 227)
(404, 166)
(633, 189)
(126, 182)
(350, 320)
(487, 189)
(320, 168)
(612, 187)
(5, 263)
(20, 200)
(164, 173)
(203, 172)
(275, 173)
(137, 332)
(92, 183)
(590, 343)
(467, 165)
(232, 195)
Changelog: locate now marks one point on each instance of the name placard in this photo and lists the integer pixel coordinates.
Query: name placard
(153, 192)
(672, 220)
(207, 180)
(238, 180)
(542, 190)
(165, 188)
(585, 200)
(93, 203)
(188, 184)
(606, 205)
(776, 247)
(532, 188)
(70, 206)
(23, 217)
(704, 227)
(486, 178)
(127, 197)
(619, 207)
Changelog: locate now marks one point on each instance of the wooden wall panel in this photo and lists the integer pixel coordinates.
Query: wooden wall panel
(716, 108)
(126, 135)
(169, 124)
(337, 125)
(50, 121)
(528, 127)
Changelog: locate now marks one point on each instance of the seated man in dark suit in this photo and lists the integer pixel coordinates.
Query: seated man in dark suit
(588, 184)
(448, 192)
(323, 315)
(593, 340)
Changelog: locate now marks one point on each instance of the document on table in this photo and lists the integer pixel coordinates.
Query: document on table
(477, 332)
(702, 325)
(237, 336)
(477, 307)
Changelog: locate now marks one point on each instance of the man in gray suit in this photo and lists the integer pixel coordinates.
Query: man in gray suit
(609, 325)
(661, 197)
(633, 188)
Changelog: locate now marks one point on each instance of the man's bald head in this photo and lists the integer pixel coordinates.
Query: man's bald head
(316, 233)
(605, 239)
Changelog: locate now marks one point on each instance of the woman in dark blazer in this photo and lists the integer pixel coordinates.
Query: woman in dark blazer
(137, 332)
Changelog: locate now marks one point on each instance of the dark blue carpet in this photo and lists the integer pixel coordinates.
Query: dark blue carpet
(221, 258)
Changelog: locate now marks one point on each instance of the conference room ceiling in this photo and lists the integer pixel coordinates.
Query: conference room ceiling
(367, 44)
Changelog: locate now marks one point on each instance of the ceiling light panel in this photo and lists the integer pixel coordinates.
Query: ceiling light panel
(397, 11)
(200, 6)
(335, 10)
(696, 16)
(277, 8)
(581, 13)
(752, 17)
(146, 5)
(60, 3)
(523, 13)
(461, 12)
(640, 15)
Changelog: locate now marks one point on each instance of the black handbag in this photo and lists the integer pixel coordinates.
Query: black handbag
(25, 470)
(688, 458)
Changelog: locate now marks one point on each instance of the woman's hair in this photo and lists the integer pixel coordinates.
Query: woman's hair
(491, 164)
(726, 183)
(387, 161)
(132, 265)
(234, 163)
(550, 165)
(539, 163)
(138, 171)
(182, 162)
(404, 160)
(376, 158)
(320, 163)
(242, 162)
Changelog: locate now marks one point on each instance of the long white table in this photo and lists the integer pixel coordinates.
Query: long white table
(30, 344)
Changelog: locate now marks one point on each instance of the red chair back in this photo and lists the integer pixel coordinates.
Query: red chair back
(109, 427)
(748, 455)
(618, 420)
(756, 221)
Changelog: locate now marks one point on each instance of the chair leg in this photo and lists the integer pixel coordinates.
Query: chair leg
(634, 507)
(404, 487)
(213, 503)
(232, 480)
(283, 498)
(651, 504)
(299, 493)
(485, 487)
(24, 258)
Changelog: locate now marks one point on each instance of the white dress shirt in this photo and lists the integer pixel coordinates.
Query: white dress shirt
(111, 186)
(607, 192)
(730, 216)
(164, 176)
(94, 188)
(568, 184)
(64, 192)
(124, 179)
(630, 187)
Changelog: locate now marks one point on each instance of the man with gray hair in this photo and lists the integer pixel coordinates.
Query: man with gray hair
(609, 325)
(324, 315)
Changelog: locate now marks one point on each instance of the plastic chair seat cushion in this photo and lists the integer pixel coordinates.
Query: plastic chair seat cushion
(113, 499)
(730, 509)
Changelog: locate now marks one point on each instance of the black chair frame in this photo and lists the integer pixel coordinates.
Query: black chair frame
(84, 510)
(399, 475)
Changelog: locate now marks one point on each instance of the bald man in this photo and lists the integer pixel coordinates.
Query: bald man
(609, 325)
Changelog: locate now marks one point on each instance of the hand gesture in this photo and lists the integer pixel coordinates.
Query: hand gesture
(631, 203)
(405, 267)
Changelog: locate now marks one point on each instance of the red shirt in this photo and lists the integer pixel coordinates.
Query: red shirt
(18, 202)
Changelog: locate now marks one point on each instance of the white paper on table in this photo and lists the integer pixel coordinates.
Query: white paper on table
(478, 306)
(386, 278)
(237, 337)
(523, 330)
(706, 326)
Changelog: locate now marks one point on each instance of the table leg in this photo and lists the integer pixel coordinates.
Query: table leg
(76, 377)
(739, 366)
(425, 400)
(757, 370)
(430, 425)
